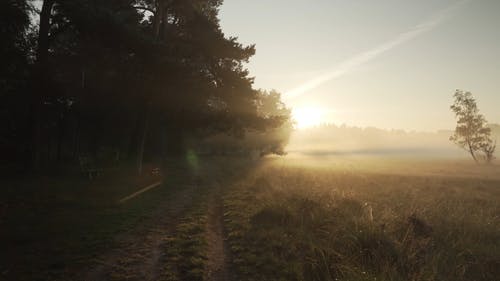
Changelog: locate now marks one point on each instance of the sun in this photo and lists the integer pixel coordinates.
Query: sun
(306, 117)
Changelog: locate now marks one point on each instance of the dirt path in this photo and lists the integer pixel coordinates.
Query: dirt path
(217, 269)
(138, 255)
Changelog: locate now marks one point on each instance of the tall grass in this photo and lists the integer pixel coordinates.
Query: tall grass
(299, 223)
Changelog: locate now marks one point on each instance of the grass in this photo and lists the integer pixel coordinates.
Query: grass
(59, 224)
(311, 219)
(55, 227)
(299, 222)
(186, 248)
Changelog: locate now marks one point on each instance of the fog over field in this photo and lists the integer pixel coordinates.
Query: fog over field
(345, 140)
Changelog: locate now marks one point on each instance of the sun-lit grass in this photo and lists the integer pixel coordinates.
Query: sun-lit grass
(303, 222)
(186, 248)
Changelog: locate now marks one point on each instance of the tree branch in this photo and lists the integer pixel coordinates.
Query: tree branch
(144, 8)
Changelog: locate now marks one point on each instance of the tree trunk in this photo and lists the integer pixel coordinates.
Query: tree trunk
(134, 137)
(76, 138)
(472, 152)
(40, 82)
(77, 109)
(61, 131)
(142, 133)
(43, 35)
(163, 147)
(158, 21)
(141, 142)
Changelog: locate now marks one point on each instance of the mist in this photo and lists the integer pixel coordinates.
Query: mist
(346, 140)
(199, 140)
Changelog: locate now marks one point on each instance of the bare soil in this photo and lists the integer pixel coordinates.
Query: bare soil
(217, 269)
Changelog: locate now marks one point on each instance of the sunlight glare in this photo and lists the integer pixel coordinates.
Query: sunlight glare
(306, 117)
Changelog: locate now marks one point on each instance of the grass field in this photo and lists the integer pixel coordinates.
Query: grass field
(282, 218)
(365, 219)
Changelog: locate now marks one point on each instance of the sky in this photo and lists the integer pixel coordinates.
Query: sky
(392, 64)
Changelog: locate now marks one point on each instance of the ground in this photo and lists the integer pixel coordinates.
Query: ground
(280, 218)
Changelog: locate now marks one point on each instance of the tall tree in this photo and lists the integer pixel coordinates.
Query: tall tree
(197, 79)
(40, 79)
(14, 73)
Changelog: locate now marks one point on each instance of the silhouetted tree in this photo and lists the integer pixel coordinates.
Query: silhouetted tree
(14, 21)
(271, 107)
(135, 78)
(471, 132)
(15, 51)
(40, 79)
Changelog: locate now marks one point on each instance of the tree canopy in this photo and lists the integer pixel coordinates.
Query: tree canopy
(129, 78)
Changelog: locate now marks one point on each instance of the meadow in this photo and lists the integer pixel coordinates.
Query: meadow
(365, 219)
(296, 217)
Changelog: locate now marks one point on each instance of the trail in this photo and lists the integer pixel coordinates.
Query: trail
(139, 254)
(216, 268)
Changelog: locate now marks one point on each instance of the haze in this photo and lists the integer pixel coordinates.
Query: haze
(387, 64)
(152, 140)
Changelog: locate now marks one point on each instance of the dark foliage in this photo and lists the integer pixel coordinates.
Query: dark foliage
(122, 80)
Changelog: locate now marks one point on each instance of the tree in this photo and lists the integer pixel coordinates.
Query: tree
(14, 72)
(471, 132)
(271, 107)
(14, 21)
(41, 65)
(489, 150)
(144, 77)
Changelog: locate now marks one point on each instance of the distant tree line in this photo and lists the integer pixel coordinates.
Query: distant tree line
(123, 79)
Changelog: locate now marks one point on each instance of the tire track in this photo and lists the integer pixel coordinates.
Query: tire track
(217, 263)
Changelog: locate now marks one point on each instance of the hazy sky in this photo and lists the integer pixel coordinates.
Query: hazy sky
(384, 63)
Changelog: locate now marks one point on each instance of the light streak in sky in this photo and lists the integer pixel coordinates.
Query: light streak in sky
(355, 62)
